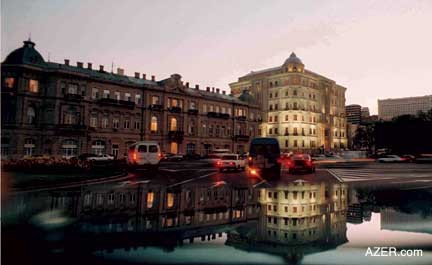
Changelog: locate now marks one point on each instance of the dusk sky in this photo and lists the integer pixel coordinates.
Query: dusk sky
(376, 49)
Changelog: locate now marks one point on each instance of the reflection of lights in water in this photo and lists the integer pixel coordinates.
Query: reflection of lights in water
(51, 219)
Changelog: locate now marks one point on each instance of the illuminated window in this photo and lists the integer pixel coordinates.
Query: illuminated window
(34, 86)
(106, 94)
(155, 100)
(150, 199)
(73, 89)
(154, 124)
(9, 82)
(170, 200)
(138, 99)
(29, 147)
(95, 93)
(173, 124)
(93, 120)
(128, 97)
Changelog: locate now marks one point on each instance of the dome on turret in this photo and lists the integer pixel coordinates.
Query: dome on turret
(293, 59)
(293, 64)
(27, 54)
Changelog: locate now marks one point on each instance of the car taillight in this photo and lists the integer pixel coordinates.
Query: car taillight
(159, 155)
(232, 163)
(253, 171)
(134, 156)
(249, 158)
(218, 163)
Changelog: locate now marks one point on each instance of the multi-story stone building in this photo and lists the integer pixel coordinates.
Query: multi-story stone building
(302, 109)
(390, 108)
(62, 110)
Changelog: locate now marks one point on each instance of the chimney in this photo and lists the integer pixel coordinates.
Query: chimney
(153, 78)
(223, 92)
(89, 66)
(120, 71)
(79, 64)
(137, 74)
(208, 89)
(187, 84)
(101, 68)
(217, 90)
(144, 76)
(66, 61)
(213, 89)
(197, 87)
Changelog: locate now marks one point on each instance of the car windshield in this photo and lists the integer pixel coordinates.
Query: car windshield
(230, 157)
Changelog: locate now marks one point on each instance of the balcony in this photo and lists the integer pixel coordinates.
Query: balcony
(193, 111)
(117, 103)
(71, 129)
(155, 107)
(241, 118)
(70, 96)
(174, 109)
(218, 115)
(176, 136)
(241, 138)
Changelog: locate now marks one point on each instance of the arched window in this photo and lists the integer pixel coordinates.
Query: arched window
(29, 146)
(69, 148)
(154, 124)
(31, 115)
(173, 124)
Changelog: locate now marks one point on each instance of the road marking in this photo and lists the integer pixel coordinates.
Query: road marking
(189, 180)
(334, 175)
(259, 183)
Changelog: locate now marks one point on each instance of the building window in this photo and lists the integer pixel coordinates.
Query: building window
(93, 120)
(95, 93)
(115, 150)
(106, 94)
(295, 117)
(150, 199)
(155, 100)
(117, 95)
(73, 89)
(98, 147)
(105, 122)
(137, 124)
(154, 124)
(286, 118)
(9, 82)
(276, 118)
(34, 86)
(31, 115)
(170, 200)
(128, 97)
(5, 143)
(295, 143)
(29, 147)
(115, 123)
(276, 130)
(173, 124)
(192, 105)
(138, 99)
(126, 124)
(69, 148)
(271, 131)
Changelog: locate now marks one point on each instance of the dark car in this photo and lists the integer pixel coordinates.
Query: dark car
(264, 158)
(300, 162)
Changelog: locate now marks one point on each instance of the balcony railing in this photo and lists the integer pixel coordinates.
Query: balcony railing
(176, 136)
(175, 109)
(71, 129)
(218, 115)
(241, 118)
(155, 107)
(241, 138)
(117, 103)
(193, 111)
(70, 96)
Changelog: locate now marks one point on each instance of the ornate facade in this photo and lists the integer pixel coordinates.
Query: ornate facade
(58, 109)
(302, 109)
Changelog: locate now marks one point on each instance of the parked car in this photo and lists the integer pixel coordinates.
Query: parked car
(300, 162)
(390, 159)
(105, 157)
(176, 157)
(408, 158)
(86, 156)
(264, 158)
(231, 161)
(424, 158)
(192, 156)
(144, 154)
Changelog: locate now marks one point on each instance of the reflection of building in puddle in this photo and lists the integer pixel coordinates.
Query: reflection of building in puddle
(408, 222)
(297, 218)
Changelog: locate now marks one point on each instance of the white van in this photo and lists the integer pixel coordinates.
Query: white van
(144, 154)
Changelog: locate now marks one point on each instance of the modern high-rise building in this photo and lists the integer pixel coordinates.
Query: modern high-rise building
(353, 113)
(302, 109)
(390, 108)
(365, 114)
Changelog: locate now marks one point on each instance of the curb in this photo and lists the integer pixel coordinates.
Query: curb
(121, 176)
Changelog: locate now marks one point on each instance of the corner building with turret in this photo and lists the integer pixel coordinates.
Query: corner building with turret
(305, 111)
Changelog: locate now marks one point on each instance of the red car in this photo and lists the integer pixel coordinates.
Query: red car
(299, 162)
